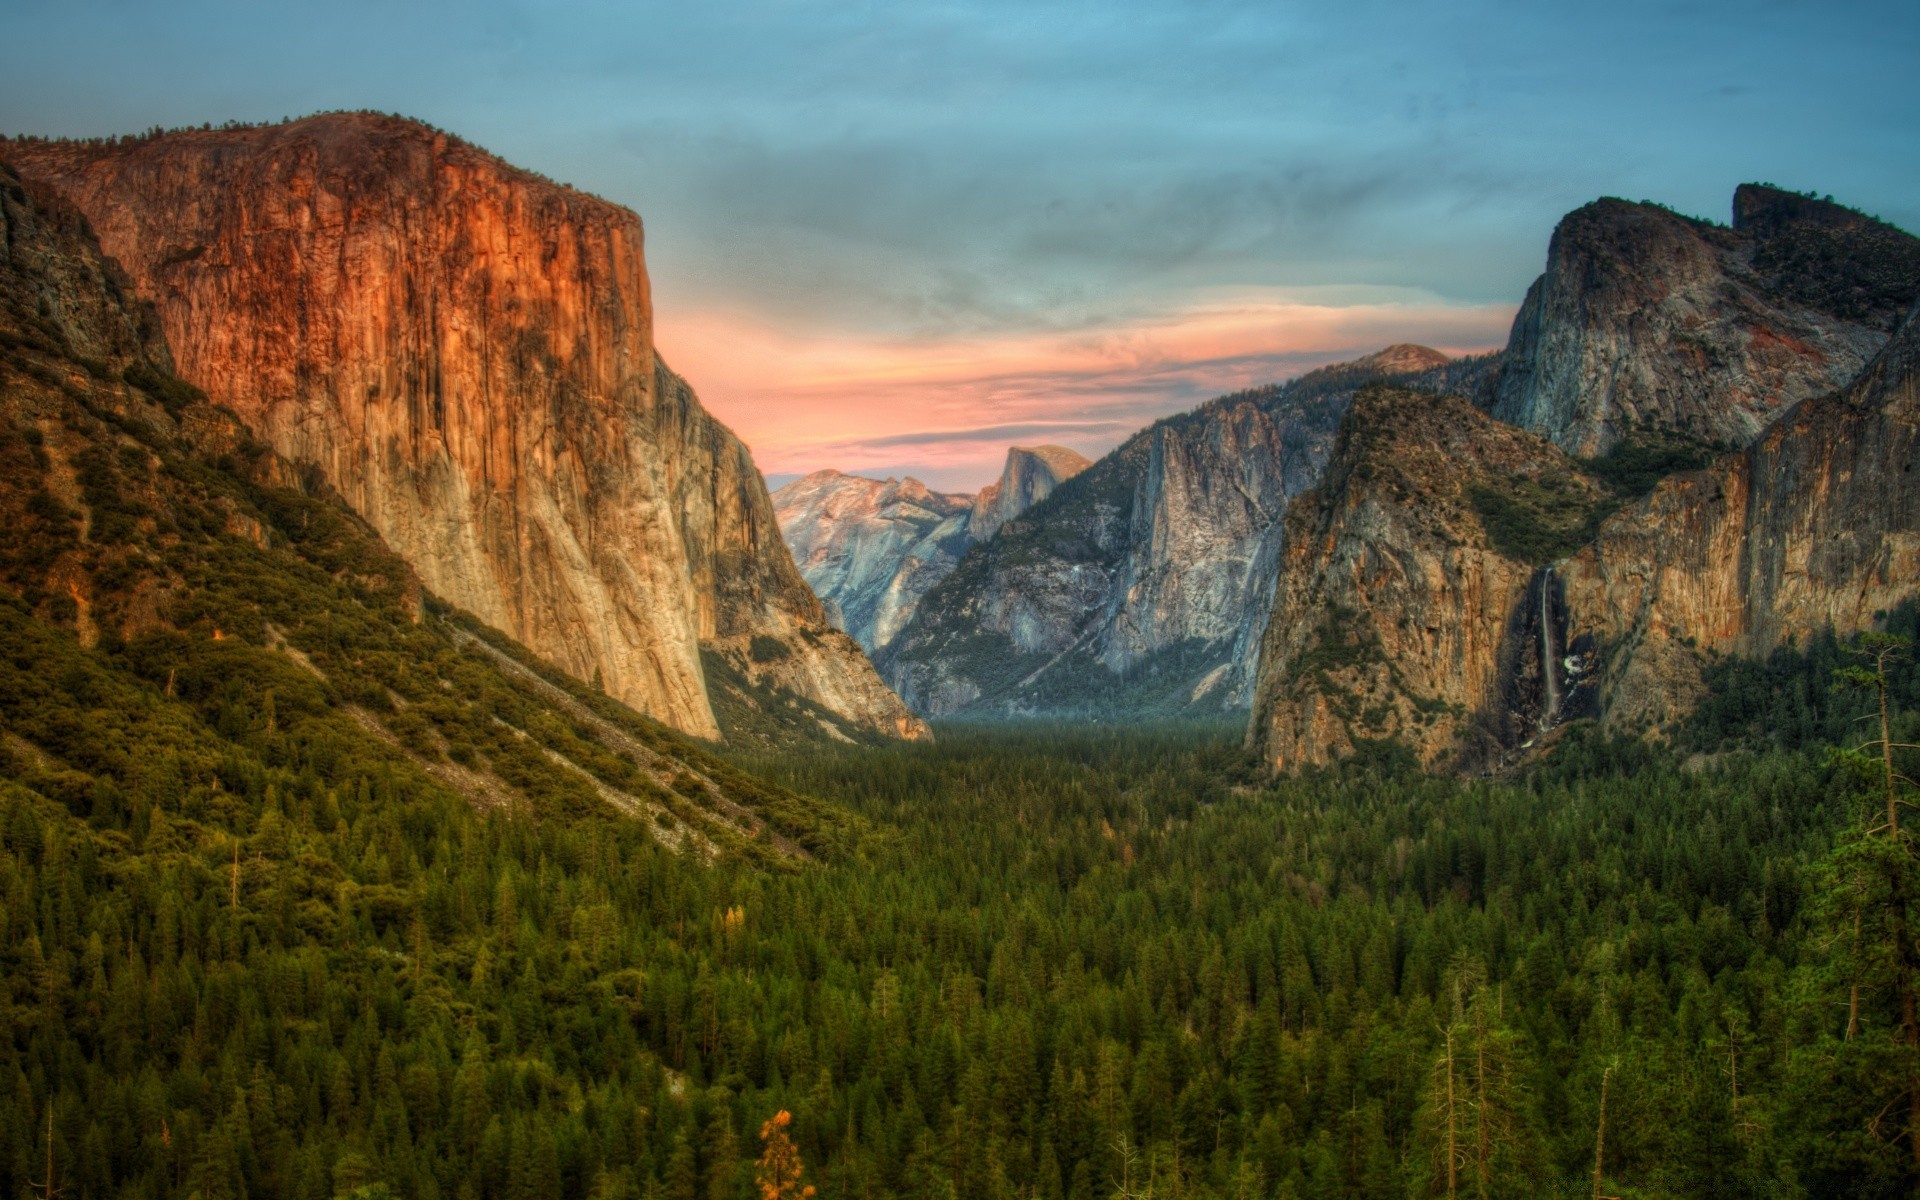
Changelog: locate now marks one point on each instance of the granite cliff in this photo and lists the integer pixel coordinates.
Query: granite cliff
(186, 611)
(1405, 595)
(1649, 323)
(465, 352)
(1142, 584)
(1030, 475)
(872, 548)
(1816, 525)
(1462, 587)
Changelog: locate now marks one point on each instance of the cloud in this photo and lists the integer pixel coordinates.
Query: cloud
(989, 435)
(867, 222)
(804, 402)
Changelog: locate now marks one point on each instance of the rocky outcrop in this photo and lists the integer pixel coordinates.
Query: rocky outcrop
(872, 548)
(1467, 602)
(1451, 588)
(1814, 526)
(1029, 476)
(1648, 322)
(1408, 603)
(1142, 585)
(465, 351)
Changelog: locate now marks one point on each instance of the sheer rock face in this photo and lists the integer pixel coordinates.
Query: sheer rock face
(465, 350)
(1143, 584)
(1395, 615)
(1815, 525)
(1647, 319)
(1397, 618)
(872, 548)
(1029, 476)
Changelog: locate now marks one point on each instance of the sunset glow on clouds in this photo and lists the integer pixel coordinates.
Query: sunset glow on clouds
(945, 410)
(893, 238)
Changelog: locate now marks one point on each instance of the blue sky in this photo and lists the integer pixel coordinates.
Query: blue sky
(883, 234)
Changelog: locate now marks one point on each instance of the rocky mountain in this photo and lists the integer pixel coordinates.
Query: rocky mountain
(1647, 322)
(1030, 475)
(1816, 525)
(465, 351)
(1409, 578)
(1452, 586)
(871, 548)
(186, 617)
(1142, 584)
(1463, 587)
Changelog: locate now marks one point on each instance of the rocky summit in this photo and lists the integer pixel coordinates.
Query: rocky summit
(465, 352)
(1409, 584)
(1647, 323)
(872, 548)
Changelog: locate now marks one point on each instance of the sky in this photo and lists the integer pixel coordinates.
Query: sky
(896, 238)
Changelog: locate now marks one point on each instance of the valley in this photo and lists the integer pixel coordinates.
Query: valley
(433, 764)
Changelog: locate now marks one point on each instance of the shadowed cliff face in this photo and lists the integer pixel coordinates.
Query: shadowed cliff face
(1649, 321)
(466, 351)
(1143, 584)
(1815, 525)
(1407, 607)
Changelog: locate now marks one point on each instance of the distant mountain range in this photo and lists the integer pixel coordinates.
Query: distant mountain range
(872, 548)
(1142, 585)
(1698, 441)
(1362, 553)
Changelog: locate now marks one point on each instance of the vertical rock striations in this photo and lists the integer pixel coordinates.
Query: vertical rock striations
(872, 548)
(1141, 585)
(1816, 525)
(1451, 587)
(465, 350)
(1410, 600)
(1649, 322)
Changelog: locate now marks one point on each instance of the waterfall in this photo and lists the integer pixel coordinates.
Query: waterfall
(1549, 657)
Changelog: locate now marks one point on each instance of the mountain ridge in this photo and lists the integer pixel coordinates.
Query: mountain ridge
(465, 350)
(1645, 319)
(1141, 585)
(872, 548)
(1469, 647)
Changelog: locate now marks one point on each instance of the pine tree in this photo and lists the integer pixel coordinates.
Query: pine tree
(1875, 874)
(779, 1170)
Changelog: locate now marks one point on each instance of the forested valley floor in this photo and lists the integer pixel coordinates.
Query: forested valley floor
(1035, 961)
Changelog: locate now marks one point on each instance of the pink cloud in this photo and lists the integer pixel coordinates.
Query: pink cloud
(949, 407)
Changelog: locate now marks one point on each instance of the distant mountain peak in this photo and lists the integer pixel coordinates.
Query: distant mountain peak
(1404, 358)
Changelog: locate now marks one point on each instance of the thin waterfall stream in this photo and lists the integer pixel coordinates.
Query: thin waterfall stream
(1549, 657)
